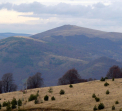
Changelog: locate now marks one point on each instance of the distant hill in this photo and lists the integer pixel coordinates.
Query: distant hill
(55, 51)
(72, 30)
(5, 35)
(98, 67)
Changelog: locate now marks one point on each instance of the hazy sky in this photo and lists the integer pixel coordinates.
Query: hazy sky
(35, 16)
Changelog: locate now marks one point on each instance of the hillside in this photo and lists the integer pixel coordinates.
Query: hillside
(78, 98)
(5, 35)
(98, 67)
(24, 56)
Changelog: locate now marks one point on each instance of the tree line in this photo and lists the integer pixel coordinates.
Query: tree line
(70, 77)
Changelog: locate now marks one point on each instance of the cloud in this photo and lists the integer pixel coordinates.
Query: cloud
(10, 17)
(98, 10)
(98, 16)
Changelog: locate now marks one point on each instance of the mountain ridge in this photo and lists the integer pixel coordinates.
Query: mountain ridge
(72, 30)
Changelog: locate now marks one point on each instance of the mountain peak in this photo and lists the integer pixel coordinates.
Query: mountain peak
(68, 30)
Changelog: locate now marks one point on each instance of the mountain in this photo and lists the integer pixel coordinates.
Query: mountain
(55, 54)
(5, 35)
(72, 30)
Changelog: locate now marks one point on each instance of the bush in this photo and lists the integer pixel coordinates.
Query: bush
(19, 102)
(106, 84)
(93, 96)
(62, 92)
(120, 109)
(101, 106)
(102, 79)
(13, 106)
(36, 101)
(97, 99)
(112, 79)
(107, 92)
(8, 108)
(116, 102)
(0, 105)
(95, 108)
(32, 97)
(5, 104)
(50, 90)
(53, 98)
(113, 107)
(46, 98)
(71, 86)
(14, 101)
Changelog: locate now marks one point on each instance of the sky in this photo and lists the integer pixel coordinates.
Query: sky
(36, 16)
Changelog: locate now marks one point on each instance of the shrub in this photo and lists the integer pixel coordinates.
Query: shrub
(36, 101)
(14, 101)
(19, 102)
(102, 79)
(5, 104)
(112, 79)
(120, 109)
(62, 92)
(97, 99)
(8, 108)
(71, 86)
(95, 108)
(107, 92)
(113, 107)
(13, 106)
(101, 106)
(0, 105)
(46, 98)
(50, 90)
(106, 84)
(116, 102)
(93, 96)
(53, 98)
(32, 97)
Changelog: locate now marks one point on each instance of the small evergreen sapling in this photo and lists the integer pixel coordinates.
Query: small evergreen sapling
(106, 84)
(97, 99)
(62, 92)
(46, 98)
(116, 102)
(71, 86)
(113, 107)
(53, 98)
(93, 96)
(107, 92)
(101, 106)
(95, 108)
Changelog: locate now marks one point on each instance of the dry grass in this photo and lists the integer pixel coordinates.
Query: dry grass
(77, 98)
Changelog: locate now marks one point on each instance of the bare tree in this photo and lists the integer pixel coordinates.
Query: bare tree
(114, 72)
(8, 83)
(70, 77)
(1, 87)
(35, 81)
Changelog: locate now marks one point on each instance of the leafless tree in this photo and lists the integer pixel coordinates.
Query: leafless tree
(35, 81)
(70, 77)
(1, 87)
(8, 83)
(114, 72)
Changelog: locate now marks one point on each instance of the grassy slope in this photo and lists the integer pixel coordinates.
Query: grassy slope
(77, 98)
